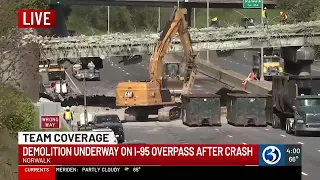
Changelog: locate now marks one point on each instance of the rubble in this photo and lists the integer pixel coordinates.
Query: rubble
(197, 35)
(127, 44)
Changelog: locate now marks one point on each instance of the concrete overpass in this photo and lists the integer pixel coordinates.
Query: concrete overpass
(165, 3)
(61, 5)
(121, 44)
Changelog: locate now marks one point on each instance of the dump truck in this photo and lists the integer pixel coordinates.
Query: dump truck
(53, 84)
(296, 103)
(273, 65)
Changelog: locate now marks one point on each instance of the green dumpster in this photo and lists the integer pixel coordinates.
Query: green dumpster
(201, 109)
(247, 109)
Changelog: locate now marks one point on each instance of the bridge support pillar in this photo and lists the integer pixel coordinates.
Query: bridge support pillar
(298, 59)
(61, 28)
(189, 16)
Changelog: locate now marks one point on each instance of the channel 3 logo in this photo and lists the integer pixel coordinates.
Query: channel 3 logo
(270, 155)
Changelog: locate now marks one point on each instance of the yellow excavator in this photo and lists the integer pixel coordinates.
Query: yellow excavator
(153, 97)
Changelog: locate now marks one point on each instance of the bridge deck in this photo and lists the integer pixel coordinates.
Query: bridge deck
(122, 44)
(167, 3)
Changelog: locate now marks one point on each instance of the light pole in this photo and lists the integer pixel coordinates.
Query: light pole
(261, 60)
(194, 17)
(208, 8)
(159, 18)
(85, 99)
(108, 19)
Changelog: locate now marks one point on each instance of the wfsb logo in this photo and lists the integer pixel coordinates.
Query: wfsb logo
(271, 155)
(30, 18)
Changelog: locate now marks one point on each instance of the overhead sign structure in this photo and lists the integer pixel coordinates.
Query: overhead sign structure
(252, 4)
(50, 122)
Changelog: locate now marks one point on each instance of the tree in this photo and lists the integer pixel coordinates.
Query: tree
(301, 10)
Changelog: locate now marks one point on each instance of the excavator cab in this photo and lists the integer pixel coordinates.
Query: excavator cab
(172, 78)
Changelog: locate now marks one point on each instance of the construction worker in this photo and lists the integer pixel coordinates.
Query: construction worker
(283, 17)
(250, 77)
(215, 22)
(68, 117)
(264, 16)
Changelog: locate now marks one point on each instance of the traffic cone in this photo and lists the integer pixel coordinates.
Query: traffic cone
(243, 84)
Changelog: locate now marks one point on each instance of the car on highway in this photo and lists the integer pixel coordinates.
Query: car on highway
(111, 121)
(113, 138)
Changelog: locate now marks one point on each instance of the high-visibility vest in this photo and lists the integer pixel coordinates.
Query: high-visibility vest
(264, 14)
(67, 115)
(284, 16)
(214, 19)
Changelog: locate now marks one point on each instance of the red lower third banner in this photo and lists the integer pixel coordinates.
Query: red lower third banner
(166, 155)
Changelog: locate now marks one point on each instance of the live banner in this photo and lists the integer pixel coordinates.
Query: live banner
(92, 172)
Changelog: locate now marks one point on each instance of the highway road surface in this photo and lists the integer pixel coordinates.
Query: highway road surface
(241, 61)
(175, 132)
(113, 72)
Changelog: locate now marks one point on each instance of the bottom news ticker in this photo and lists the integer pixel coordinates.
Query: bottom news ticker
(73, 172)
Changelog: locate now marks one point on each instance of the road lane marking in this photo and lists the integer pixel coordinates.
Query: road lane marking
(229, 136)
(217, 129)
(300, 143)
(315, 69)
(319, 150)
(244, 143)
(267, 129)
(73, 82)
(283, 135)
(305, 174)
(127, 73)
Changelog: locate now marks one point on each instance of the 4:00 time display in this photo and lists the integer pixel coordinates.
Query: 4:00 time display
(293, 150)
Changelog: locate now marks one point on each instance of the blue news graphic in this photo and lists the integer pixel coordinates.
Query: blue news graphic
(272, 155)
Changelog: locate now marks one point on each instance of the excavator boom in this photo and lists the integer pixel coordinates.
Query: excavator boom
(176, 24)
(152, 97)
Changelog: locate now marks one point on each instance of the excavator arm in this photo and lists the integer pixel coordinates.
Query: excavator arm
(176, 24)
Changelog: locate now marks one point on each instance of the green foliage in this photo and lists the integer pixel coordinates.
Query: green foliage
(94, 19)
(9, 8)
(17, 113)
(301, 10)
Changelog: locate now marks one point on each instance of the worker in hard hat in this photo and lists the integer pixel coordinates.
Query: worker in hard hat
(91, 65)
(67, 116)
(284, 17)
(215, 22)
(264, 16)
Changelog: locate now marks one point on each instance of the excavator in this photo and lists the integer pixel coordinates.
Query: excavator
(153, 97)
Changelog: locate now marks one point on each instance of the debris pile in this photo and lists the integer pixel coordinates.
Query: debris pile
(197, 35)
